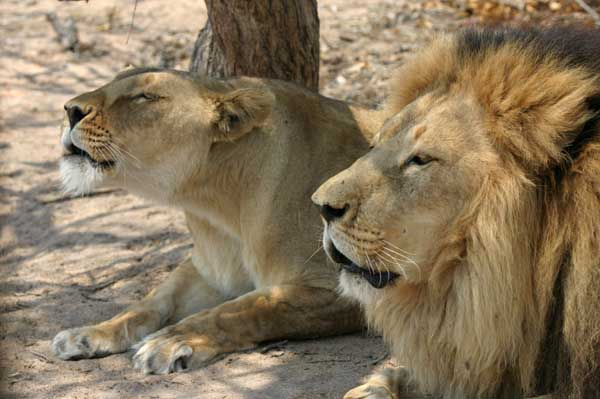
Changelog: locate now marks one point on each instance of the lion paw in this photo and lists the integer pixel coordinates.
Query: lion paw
(167, 351)
(370, 391)
(83, 343)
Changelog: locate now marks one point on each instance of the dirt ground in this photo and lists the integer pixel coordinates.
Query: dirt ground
(68, 262)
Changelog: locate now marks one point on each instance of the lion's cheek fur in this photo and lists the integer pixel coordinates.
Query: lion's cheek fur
(354, 287)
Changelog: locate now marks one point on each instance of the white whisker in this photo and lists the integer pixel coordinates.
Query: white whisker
(313, 254)
(400, 266)
(410, 261)
(394, 246)
(373, 268)
(112, 152)
(390, 250)
(124, 151)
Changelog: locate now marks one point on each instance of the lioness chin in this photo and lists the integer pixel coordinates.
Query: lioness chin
(240, 157)
(470, 232)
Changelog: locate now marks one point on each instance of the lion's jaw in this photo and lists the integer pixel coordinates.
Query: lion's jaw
(350, 285)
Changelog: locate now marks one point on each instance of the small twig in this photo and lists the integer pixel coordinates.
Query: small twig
(330, 361)
(90, 289)
(91, 298)
(131, 24)
(67, 198)
(379, 359)
(273, 345)
(41, 356)
(100, 286)
(587, 8)
(18, 377)
(66, 31)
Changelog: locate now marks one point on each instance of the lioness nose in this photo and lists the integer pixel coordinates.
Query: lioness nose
(330, 213)
(75, 114)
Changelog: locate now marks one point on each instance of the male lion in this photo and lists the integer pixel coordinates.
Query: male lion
(240, 157)
(471, 231)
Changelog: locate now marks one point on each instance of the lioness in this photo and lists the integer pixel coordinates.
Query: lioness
(240, 157)
(471, 231)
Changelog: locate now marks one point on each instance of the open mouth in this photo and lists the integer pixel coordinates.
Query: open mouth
(377, 279)
(73, 150)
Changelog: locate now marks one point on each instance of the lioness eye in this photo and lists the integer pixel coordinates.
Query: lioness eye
(419, 160)
(143, 97)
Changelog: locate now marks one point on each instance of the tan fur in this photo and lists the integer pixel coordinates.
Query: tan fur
(241, 158)
(480, 234)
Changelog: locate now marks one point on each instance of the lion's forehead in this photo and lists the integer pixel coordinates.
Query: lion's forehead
(443, 124)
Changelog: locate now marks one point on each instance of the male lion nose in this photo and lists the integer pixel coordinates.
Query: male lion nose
(331, 213)
(75, 114)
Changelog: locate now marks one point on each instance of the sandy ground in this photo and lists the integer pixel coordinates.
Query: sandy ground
(67, 262)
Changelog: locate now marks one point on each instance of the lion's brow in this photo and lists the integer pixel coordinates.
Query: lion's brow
(397, 125)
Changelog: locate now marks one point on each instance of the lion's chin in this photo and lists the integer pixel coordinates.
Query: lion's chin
(79, 176)
(354, 287)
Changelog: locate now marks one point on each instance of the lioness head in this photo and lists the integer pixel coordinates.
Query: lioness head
(150, 129)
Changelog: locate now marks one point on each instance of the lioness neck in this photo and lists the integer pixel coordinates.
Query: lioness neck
(217, 190)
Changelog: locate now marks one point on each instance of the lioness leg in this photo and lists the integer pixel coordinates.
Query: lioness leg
(285, 311)
(389, 383)
(183, 293)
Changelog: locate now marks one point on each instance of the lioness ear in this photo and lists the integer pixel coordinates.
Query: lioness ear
(240, 111)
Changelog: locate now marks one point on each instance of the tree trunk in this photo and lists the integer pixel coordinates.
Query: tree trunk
(267, 38)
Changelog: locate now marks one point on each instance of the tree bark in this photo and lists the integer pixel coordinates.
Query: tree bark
(266, 38)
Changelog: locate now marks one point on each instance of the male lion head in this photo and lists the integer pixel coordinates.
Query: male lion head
(149, 129)
(475, 208)
(387, 213)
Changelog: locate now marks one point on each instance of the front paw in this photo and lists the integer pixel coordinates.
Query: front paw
(83, 343)
(370, 391)
(168, 351)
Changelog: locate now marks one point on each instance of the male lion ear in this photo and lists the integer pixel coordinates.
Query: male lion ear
(240, 111)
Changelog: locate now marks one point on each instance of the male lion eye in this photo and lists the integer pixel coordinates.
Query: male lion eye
(418, 160)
